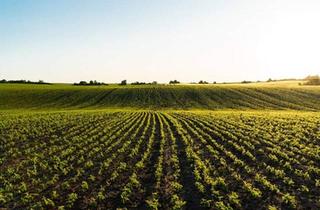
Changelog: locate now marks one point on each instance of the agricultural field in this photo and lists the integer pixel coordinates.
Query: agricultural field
(169, 159)
(159, 105)
(257, 96)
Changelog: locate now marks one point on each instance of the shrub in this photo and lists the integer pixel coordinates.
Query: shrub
(174, 82)
(90, 83)
(203, 82)
(123, 82)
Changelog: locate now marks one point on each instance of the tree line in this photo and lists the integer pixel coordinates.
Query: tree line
(90, 83)
(24, 82)
(309, 80)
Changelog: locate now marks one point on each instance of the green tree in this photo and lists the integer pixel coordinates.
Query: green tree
(123, 82)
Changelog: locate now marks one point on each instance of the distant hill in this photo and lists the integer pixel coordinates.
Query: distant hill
(271, 95)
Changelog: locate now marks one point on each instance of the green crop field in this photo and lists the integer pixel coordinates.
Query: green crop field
(278, 95)
(224, 146)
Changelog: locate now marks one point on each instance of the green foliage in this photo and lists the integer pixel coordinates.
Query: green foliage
(272, 207)
(84, 185)
(48, 202)
(248, 96)
(173, 82)
(159, 159)
(72, 197)
(234, 199)
(153, 202)
(90, 83)
(123, 82)
(289, 200)
(40, 82)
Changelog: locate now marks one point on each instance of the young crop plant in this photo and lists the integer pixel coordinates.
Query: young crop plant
(166, 159)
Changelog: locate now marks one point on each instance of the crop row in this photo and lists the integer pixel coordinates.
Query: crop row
(160, 160)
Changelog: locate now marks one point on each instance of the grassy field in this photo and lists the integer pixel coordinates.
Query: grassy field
(273, 95)
(225, 146)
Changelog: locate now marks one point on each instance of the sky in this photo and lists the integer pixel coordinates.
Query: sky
(147, 40)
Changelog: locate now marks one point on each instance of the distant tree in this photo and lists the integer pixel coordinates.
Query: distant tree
(174, 82)
(214, 82)
(90, 83)
(312, 80)
(22, 81)
(123, 82)
(202, 82)
(138, 83)
(83, 83)
(244, 81)
(269, 80)
(154, 83)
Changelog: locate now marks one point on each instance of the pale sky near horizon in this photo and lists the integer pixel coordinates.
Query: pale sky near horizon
(146, 40)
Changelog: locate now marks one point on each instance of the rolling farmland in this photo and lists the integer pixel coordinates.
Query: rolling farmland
(65, 147)
(159, 105)
(167, 160)
(275, 96)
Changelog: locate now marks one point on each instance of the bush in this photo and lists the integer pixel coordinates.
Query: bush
(90, 83)
(144, 83)
(123, 82)
(138, 83)
(22, 81)
(83, 83)
(174, 82)
(203, 82)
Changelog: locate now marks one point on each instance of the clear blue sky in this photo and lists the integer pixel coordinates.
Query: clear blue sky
(146, 40)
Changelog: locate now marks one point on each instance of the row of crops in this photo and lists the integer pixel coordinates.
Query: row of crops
(167, 160)
(214, 97)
